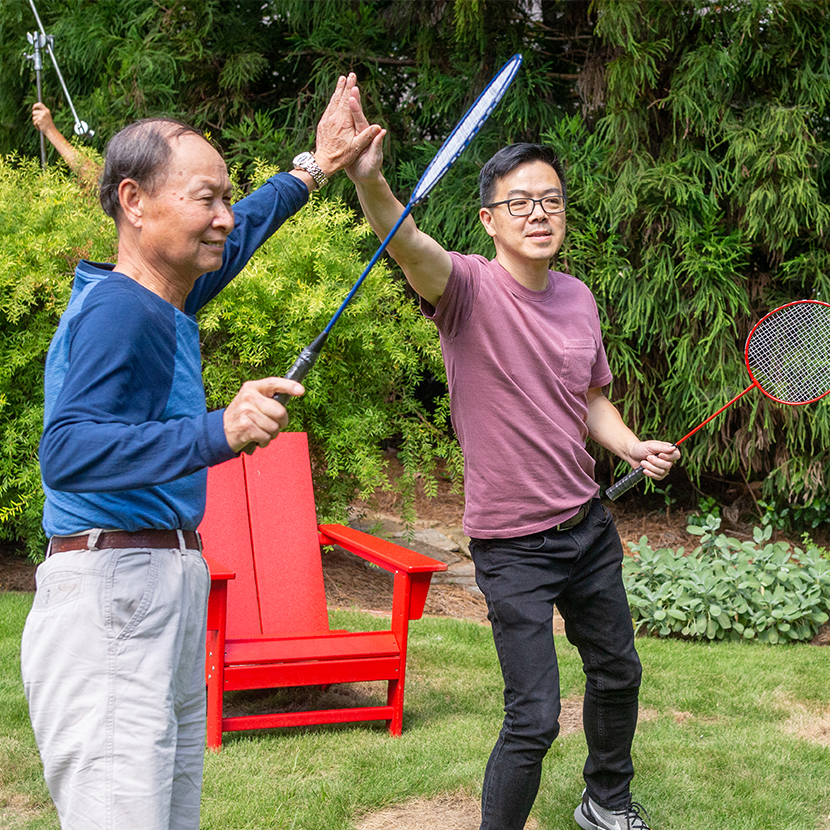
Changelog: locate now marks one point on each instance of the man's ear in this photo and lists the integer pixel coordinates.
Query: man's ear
(487, 220)
(130, 198)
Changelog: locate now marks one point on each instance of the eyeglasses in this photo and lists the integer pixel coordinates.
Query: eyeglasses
(524, 207)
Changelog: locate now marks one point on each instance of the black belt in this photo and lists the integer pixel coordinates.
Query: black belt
(577, 518)
(125, 539)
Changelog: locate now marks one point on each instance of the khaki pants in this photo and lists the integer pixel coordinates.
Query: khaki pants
(113, 667)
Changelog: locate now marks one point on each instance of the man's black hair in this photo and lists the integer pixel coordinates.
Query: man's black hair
(508, 159)
(141, 151)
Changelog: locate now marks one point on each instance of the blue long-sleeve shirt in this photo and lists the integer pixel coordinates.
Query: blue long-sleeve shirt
(127, 436)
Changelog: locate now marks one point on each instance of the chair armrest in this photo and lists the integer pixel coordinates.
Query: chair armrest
(387, 555)
(217, 570)
(413, 571)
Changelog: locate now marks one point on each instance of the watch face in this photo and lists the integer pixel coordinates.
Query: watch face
(302, 158)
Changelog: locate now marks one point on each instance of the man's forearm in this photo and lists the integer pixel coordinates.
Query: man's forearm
(425, 263)
(606, 427)
(382, 210)
(69, 154)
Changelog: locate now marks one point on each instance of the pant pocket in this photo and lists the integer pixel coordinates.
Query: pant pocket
(59, 582)
(132, 583)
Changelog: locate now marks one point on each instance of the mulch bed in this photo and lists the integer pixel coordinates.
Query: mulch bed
(16, 572)
(350, 583)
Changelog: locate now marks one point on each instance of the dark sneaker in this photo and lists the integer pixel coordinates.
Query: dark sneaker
(590, 816)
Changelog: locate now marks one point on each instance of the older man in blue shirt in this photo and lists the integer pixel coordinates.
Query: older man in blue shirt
(113, 650)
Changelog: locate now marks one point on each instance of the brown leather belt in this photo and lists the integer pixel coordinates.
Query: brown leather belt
(577, 518)
(126, 539)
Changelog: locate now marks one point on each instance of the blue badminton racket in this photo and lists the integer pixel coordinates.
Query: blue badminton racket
(451, 149)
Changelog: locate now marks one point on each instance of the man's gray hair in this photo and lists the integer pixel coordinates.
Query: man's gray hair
(141, 151)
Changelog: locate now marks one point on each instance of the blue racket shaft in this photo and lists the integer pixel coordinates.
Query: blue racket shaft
(299, 369)
(406, 211)
(458, 140)
(455, 144)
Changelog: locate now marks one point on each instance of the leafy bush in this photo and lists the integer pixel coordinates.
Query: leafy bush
(47, 223)
(361, 394)
(792, 516)
(707, 506)
(727, 589)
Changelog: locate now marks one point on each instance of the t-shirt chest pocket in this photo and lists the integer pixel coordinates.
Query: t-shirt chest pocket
(578, 365)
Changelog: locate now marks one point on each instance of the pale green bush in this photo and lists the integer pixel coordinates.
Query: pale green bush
(728, 589)
(361, 394)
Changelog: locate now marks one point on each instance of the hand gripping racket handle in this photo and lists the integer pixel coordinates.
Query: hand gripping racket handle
(299, 369)
(625, 484)
(634, 477)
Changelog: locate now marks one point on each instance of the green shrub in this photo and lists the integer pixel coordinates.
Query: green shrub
(361, 394)
(794, 516)
(727, 589)
(47, 223)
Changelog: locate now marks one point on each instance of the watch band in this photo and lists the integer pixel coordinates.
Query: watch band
(307, 162)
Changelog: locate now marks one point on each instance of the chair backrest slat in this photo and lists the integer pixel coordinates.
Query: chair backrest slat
(226, 534)
(261, 522)
(289, 570)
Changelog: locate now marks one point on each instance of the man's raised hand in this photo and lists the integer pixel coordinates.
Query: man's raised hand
(340, 139)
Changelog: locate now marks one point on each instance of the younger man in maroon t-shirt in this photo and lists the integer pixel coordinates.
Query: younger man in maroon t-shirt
(526, 366)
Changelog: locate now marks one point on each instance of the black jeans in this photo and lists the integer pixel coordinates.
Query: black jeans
(580, 571)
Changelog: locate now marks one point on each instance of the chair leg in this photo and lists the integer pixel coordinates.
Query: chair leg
(394, 698)
(400, 626)
(215, 681)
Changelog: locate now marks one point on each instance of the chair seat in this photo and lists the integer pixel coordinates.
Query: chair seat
(333, 645)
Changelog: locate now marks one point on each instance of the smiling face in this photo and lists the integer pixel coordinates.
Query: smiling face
(186, 218)
(525, 242)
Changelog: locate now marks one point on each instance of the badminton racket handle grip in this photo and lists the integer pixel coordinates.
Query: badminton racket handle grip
(625, 484)
(300, 368)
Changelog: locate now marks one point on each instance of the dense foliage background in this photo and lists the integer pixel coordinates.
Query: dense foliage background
(362, 392)
(696, 137)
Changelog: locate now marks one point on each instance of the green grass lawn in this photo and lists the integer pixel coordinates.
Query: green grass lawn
(717, 747)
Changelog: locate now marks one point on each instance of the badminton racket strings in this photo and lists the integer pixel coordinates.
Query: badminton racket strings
(788, 358)
(466, 129)
(788, 353)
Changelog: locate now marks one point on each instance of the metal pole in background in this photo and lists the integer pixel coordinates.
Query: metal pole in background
(81, 127)
(35, 38)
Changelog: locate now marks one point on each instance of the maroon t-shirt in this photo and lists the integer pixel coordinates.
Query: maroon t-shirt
(519, 365)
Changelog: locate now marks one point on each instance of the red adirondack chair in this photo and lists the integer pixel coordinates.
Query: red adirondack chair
(268, 623)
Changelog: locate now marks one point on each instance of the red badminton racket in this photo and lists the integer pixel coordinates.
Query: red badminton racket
(788, 358)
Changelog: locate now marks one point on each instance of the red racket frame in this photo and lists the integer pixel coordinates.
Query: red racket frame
(628, 481)
(755, 383)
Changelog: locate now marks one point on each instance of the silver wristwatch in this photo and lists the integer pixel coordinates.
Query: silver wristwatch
(307, 162)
